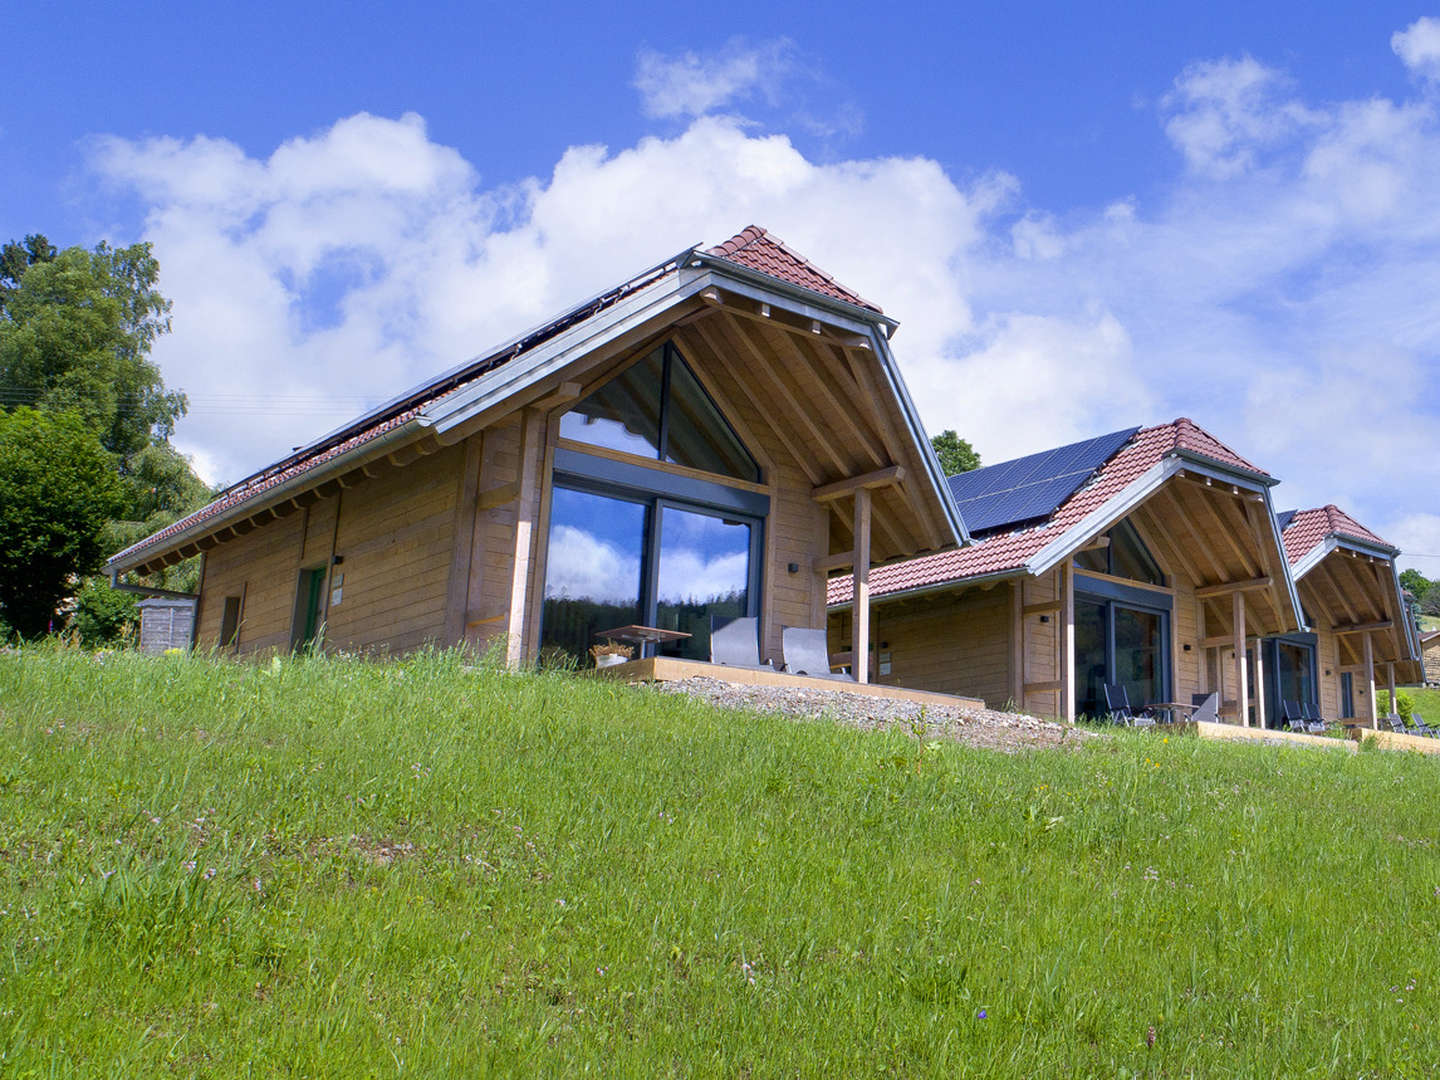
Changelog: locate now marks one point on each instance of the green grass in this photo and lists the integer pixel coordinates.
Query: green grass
(332, 868)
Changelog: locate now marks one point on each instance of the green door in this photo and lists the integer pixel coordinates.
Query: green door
(312, 590)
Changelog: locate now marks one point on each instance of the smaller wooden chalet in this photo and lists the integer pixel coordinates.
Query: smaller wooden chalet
(1349, 588)
(1148, 557)
(1430, 656)
(709, 438)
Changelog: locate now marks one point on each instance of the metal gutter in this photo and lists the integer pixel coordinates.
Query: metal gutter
(798, 292)
(150, 590)
(917, 431)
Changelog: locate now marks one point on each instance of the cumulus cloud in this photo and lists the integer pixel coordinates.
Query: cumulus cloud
(1418, 46)
(692, 84)
(1280, 290)
(581, 566)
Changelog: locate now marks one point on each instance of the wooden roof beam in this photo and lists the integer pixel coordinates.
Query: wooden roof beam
(1157, 539)
(804, 370)
(1323, 569)
(803, 459)
(1225, 588)
(890, 474)
(1365, 628)
(1178, 509)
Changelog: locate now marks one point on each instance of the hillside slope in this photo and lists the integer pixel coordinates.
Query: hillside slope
(346, 868)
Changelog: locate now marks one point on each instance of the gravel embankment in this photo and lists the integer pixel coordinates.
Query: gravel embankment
(975, 727)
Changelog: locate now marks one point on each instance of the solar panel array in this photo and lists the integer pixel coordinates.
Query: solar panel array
(1031, 488)
(1284, 518)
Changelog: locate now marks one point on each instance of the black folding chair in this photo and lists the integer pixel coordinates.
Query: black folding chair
(1117, 700)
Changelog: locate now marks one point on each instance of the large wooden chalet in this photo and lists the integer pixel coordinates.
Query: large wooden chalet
(712, 437)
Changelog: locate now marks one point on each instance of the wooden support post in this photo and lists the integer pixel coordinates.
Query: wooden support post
(1017, 644)
(1202, 676)
(1369, 660)
(1067, 641)
(861, 663)
(1390, 679)
(1242, 680)
(1260, 682)
(531, 447)
(457, 590)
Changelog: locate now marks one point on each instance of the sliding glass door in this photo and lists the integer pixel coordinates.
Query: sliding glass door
(1120, 637)
(618, 558)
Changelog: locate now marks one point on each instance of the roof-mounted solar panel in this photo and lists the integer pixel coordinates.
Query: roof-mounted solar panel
(1284, 518)
(1033, 487)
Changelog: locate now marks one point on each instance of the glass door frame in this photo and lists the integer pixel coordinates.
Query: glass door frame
(1112, 594)
(1311, 644)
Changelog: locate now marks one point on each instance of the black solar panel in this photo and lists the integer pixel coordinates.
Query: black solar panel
(1284, 518)
(1030, 488)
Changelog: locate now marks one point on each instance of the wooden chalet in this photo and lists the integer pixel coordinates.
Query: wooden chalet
(1349, 588)
(1430, 656)
(712, 437)
(1149, 558)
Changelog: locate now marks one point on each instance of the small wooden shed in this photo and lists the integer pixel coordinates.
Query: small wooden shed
(166, 622)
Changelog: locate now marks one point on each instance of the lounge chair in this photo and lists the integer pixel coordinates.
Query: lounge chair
(1397, 725)
(807, 652)
(1422, 728)
(1315, 724)
(1117, 700)
(736, 643)
(1207, 708)
(1292, 716)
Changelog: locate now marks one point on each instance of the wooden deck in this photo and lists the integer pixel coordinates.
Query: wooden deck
(673, 669)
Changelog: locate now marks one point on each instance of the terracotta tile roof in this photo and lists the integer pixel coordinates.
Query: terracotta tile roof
(1310, 527)
(755, 249)
(1009, 551)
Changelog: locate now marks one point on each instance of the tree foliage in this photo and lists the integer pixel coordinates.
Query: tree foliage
(60, 488)
(956, 454)
(75, 333)
(1414, 582)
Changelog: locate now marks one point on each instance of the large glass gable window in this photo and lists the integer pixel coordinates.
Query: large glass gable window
(1125, 556)
(656, 408)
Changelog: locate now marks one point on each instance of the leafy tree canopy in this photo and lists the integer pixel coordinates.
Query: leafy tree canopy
(76, 329)
(956, 455)
(60, 488)
(1414, 582)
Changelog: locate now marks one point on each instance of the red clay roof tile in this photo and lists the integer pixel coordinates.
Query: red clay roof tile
(1008, 552)
(1310, 527)
(755, 249)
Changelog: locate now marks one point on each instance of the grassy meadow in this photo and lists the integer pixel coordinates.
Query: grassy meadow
(341, 868)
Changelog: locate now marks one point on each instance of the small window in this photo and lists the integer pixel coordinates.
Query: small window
(230, 622)
(1347, 695)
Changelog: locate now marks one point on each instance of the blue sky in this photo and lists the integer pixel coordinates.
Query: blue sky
(1084, 218)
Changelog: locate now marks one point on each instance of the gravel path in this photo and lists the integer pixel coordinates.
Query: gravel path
(974, 727)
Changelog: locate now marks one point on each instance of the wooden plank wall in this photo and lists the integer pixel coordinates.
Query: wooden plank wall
(946, 643)
(395, 539)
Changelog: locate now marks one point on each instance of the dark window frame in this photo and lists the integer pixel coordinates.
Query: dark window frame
(230, 622)
(1112, 594)
(1271, 689)
(1147, 556)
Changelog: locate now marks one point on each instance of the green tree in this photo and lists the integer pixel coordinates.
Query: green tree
(1414, 582)
(1430, 602)
(60, 488)
(955, 454)
(18, 256)
(75, 333)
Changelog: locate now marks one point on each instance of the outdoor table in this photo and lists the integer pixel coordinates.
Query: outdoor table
(1171, 706)
(644, 636)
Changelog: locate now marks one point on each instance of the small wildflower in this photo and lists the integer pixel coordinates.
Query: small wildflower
(1150, 1036)
(209, 873)
(982, 1015)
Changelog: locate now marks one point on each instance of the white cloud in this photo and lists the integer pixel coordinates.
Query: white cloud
(582, 566)
(1280, 291)
(689, 84)
(1418, 46)
(1419, 535)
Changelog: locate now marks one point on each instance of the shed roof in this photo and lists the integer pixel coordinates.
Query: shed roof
(1010, 550)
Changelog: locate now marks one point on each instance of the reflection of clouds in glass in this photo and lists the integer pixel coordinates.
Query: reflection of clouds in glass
(583, 567)
(686, 574)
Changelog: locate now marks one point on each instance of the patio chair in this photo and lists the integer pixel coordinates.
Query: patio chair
(806, 651)
(1207, 708)
(1315, 724)
(736, 643)
(1292, 716)
(1397, 725)
(1117, 700)
(1422, 728)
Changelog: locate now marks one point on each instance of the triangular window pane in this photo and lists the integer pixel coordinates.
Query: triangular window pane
(697, 435)
(624, 414)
